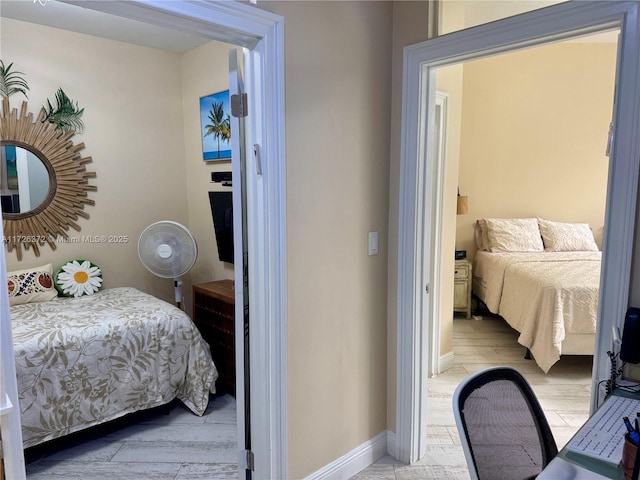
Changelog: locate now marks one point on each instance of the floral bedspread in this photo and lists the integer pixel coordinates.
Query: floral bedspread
(84, 361)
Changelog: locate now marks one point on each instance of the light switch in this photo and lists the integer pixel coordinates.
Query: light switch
(373, 243)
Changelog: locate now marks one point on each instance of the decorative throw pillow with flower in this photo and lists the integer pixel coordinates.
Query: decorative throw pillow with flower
(77, 278)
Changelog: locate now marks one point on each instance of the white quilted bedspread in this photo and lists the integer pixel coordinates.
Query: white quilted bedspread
(543, 296)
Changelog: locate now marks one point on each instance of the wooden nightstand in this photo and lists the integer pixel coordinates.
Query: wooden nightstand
(462, 287)
(214, 315)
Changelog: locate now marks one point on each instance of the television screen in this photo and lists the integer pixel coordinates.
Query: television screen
(222, 212)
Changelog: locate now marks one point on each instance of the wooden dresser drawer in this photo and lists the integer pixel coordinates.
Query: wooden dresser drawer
(462, 287)
(214, 315)
(461, 272)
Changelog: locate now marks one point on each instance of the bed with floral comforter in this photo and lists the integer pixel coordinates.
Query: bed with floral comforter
(84, 361)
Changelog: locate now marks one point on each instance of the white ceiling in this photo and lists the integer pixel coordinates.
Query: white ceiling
(70, 17)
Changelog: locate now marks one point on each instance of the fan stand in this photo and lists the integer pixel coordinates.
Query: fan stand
(165, 251)
(177, 282)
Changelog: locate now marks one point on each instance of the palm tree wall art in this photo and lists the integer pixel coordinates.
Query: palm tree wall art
(216, 126)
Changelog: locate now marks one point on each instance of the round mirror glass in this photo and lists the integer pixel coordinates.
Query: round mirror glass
(24, 180)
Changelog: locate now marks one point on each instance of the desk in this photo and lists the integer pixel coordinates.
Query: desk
(563, 467)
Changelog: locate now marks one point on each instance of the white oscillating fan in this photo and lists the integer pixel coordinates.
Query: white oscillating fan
(168, 250)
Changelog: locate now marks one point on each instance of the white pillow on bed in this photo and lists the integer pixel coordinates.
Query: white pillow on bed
(598, 235)
(31, 285)
(567, 237)
(480, 233)
(513, 235)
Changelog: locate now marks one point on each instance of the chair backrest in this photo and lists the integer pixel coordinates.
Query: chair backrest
(504, 432)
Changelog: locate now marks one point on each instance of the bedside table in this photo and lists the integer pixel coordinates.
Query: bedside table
(214, 315)
(462, 287)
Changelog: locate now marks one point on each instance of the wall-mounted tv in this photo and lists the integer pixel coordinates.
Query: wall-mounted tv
(222, 212)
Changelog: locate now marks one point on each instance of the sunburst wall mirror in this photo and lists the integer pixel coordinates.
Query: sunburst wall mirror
(43, 180)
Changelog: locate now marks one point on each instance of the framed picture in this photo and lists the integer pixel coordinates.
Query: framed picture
(215, 113)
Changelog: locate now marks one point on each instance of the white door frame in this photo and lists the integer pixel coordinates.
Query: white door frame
(262, 33)
(419, 239)
(440, 136)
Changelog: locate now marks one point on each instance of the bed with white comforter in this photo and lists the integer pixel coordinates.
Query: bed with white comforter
(550, 298)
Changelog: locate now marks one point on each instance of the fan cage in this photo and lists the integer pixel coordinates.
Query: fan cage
(182, 244)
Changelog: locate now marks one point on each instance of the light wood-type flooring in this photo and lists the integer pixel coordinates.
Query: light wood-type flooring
(564, 394)
(150, 445)
(182, 446)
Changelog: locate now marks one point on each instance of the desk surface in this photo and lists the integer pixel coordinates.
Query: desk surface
(565, 468)
(606, 470)
(561, 469)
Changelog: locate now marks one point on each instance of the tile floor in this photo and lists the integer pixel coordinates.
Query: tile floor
(182, 446)
(150, 446)
(477, 344)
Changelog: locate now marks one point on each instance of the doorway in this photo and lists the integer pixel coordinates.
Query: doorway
(419, 199)
(523, 124)
(261, 33)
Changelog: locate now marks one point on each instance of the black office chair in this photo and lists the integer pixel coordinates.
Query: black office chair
(504, 432)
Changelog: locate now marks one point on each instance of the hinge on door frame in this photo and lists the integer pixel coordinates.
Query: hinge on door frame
(239, 105)
(246, 461)
(426, 288)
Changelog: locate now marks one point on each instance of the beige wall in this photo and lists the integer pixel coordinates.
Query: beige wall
(133, 132)
(534, 133)
(205, 70)
(338, 64)
(145, 150)
(471, 13)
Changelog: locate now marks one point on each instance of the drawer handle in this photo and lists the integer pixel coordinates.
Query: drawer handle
(456, 271)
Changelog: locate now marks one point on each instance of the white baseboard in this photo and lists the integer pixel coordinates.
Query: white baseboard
(355, 461)
(445, 362)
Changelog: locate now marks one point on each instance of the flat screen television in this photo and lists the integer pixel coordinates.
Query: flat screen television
(222, 212)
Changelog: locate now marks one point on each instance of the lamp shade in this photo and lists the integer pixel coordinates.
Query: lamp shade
(463, 205)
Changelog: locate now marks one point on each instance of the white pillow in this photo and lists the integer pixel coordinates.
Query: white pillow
(567, 237)
(480, 234)
(513, 235)
(598, 235)
(31, 285)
